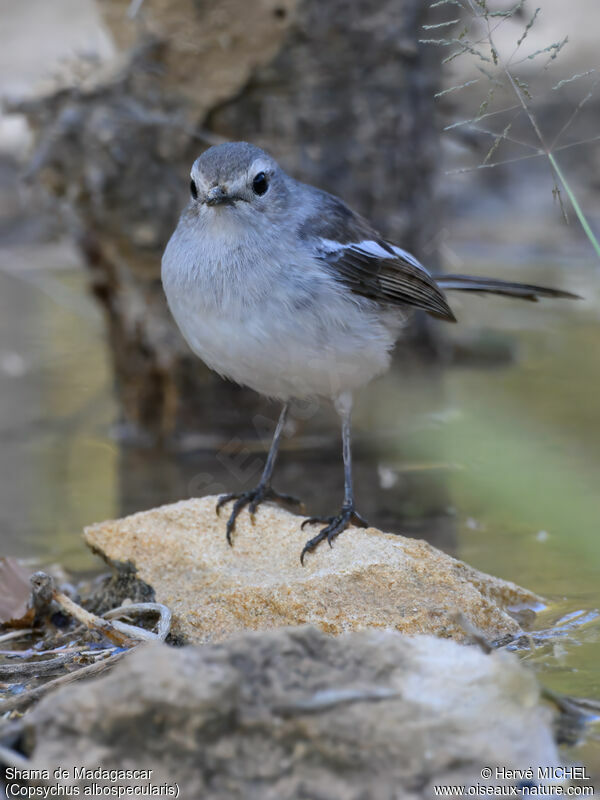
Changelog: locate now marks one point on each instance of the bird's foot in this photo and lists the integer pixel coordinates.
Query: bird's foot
(333, 527)
(252, 498)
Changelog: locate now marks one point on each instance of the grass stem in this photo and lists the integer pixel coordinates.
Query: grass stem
(576, 207)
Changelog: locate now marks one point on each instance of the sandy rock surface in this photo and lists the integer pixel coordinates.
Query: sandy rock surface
(297, 714)
(369, 579)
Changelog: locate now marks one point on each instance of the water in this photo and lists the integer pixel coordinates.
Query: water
(495, 461)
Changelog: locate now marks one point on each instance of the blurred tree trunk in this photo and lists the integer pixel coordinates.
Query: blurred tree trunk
(340, 92)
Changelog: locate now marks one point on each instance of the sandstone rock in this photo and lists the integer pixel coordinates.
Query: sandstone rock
(295, 714)
(369, 579)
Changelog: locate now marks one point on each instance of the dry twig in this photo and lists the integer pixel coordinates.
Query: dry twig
(25, 698)
(35, 668)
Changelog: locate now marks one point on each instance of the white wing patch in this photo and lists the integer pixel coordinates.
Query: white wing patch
(372, 249)
(404, 254)
(366, 247)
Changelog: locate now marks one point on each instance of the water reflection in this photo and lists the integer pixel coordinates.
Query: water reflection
(57, 464)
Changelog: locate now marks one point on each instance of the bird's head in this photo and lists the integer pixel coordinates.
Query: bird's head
(236, 180)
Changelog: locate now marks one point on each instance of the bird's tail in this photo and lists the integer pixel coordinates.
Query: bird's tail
(526, 291)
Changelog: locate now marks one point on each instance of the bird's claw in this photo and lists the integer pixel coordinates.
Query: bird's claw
(333, 527)
(252, 498)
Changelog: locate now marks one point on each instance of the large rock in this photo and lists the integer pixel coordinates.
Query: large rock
(369, 579)
(298, 714)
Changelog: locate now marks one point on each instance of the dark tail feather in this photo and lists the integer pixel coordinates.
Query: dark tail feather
(468, 283)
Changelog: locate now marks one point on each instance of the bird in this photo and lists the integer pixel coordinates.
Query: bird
(281, 287)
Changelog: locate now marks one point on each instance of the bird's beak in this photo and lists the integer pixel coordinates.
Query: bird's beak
(216, 196)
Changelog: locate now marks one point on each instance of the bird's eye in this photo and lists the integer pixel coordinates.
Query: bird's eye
(194, 190)
(260, 183)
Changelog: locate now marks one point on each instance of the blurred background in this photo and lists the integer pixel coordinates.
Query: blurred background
(434, 122)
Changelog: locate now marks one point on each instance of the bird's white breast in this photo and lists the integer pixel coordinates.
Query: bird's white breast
(264, 313)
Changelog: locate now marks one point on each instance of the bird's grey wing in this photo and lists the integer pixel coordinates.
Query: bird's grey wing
(358, 257)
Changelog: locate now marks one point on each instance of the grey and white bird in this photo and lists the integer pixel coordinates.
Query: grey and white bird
(281, 287)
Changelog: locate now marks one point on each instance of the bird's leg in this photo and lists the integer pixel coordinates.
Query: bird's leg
(348, 515)
(254, 497)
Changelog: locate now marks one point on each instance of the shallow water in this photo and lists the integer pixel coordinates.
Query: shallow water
(496, 461)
